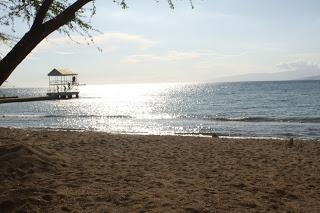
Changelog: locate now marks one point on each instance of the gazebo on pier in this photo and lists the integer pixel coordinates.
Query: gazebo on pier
(63, 83)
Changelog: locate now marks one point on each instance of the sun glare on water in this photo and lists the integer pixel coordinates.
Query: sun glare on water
(109, 107)
(130, 100)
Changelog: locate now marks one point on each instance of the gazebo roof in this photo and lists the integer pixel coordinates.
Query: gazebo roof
(61, 72)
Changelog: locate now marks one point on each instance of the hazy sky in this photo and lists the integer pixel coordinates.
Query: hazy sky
(151, 43)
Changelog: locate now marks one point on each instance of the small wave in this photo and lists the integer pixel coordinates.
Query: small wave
(254, 119)
(19, 116)
(256, 137)
(25, 116)
(272, 119)
(87, 116)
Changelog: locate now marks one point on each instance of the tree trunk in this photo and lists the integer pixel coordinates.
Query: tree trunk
(36, 34)
(19, 52)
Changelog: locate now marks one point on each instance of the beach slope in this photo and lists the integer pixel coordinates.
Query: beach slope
(57, 171)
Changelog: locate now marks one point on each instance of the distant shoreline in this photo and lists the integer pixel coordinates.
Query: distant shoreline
(209, 82)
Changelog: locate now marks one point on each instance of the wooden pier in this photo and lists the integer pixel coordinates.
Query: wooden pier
(63, 84)
(7, 97)
(63, 95)
(13, 100)
(54, 96)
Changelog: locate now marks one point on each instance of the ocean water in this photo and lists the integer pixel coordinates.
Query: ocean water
(243, 109)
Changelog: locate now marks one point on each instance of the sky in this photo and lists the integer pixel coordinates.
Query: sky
(149, 42)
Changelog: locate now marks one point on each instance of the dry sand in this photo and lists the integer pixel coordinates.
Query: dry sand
(57, 171)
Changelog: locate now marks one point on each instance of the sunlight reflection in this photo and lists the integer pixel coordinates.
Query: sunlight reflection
(127, 100)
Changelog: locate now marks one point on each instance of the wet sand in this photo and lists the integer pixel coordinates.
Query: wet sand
(63, 171)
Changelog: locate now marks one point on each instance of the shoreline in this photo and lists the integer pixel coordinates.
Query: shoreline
(61, 171)
(204, 135)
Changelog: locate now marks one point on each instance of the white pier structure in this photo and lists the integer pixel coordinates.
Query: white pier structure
(63, 83)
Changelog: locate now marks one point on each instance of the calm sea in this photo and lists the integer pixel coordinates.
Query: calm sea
(247, 109)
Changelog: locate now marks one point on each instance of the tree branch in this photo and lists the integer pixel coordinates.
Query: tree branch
(41, 14)
(66, 16)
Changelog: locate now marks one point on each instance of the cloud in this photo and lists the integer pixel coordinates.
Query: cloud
(170, 56)
(174, 55)
(108, 42)
(64, 53)
(123, 38)
(300, 66)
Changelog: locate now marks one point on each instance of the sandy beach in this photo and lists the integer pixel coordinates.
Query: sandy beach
(64, 171)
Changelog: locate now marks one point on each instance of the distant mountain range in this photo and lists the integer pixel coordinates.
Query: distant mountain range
(315, 77)
(277, 76)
